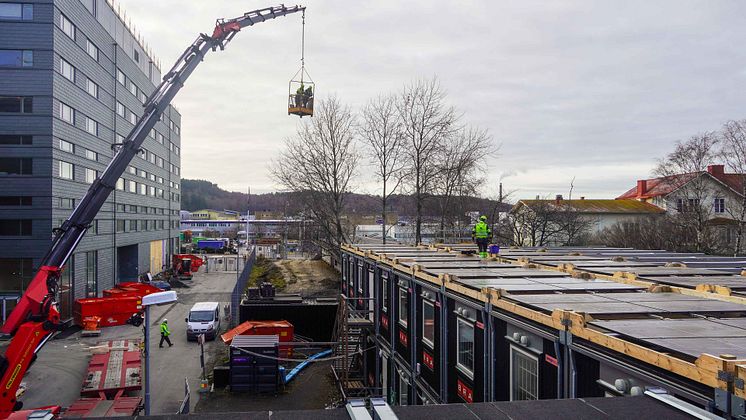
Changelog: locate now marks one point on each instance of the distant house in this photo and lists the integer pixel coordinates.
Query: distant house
(210, 214)
(719, 191)
(561, 222)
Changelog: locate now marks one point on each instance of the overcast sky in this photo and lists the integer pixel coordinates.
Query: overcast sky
(595, 90)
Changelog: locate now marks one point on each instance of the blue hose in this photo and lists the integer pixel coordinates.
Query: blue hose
(289, 377)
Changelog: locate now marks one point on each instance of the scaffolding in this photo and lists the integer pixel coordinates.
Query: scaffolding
(351, 328)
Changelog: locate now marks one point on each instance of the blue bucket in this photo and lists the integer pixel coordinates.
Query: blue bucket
(494, 249)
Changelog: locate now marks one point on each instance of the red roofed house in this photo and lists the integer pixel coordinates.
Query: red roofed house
(719, 195)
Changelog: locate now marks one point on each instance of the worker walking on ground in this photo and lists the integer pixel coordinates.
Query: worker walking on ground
(165, 332)
(482, 234)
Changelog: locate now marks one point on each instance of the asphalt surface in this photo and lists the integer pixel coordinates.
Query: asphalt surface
(57, 375)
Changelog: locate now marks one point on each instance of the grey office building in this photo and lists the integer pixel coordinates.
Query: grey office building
(73, 81)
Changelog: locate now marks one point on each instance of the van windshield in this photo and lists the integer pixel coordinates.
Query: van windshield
(200, 316)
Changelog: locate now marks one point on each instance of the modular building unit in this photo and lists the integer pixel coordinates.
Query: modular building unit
(451, 328)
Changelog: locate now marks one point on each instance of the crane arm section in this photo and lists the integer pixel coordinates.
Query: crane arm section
(36, 316)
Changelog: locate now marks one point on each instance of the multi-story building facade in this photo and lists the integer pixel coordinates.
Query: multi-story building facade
(73, 81)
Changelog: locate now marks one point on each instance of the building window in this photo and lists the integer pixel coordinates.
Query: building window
(93, 228)
(67, 113)
(91, 273)
(143, 98)
(16, 58)
(91, 155)
(16, 166)
(66, 203)
(131, 186)
(15, 227)
(67, 170)
(142, 188)
(524, 375)
(133, 89)
(92, 88)
(17, 104)
(151, 191)
(13, 139)
(90, 175)
(91, 48)
(120, 184)
(67, 27)
(136, 56)
(120, 226)
(66, 146)
(133, 118)
(465, 353)
(159, 137)
(67, 70)
(15, 200)
(121, 78)
(91, 126)
(120, 109)
(403, 308)
(719, 205)
(15, 273)
(16, 11)
(428, 323)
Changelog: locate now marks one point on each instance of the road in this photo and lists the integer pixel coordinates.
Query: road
(57, 375)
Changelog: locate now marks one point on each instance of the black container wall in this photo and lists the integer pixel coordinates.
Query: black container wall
(465, 360)
(428, 326)
(403, 322)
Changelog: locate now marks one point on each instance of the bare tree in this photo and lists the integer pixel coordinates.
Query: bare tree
(533, 223)
(382, 131)
(461, 166)
(426, 122)
(652, 232)
(320, 161)
(733, 152)
(684, 167)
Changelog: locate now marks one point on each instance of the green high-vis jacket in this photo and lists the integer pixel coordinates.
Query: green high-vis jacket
(481, 230)
(164, 329)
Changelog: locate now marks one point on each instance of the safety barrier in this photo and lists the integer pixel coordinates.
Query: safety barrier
(240, 287)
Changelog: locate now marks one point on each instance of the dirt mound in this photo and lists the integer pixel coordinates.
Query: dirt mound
(311, 278)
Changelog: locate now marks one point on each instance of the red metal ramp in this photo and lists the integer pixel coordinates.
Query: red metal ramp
(94, 407)
(115, 370)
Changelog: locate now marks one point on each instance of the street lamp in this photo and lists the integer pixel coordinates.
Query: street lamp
(160, 298)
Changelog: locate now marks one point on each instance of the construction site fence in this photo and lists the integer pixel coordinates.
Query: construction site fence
(240, 287)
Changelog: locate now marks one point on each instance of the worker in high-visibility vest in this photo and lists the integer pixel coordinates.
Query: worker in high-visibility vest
(165, 332)
(481, 234)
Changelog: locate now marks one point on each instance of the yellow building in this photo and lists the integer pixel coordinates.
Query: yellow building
(210, 214)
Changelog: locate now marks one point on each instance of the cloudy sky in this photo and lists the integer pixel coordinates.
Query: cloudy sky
(595, 90)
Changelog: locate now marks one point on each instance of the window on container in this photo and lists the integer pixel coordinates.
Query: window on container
(67, 170)
(67, 113)
(91, 126)
(66, 146)
(17, 104)
(92, 88)
(16, 166)
(16, 58)
(719, 206)
(384, 294)
(91, 273)
(13, 139)
(15, 227)
(465, 352)
(67, 27)
(524, 375)
(16, 11)
(91, 49)
(403, 391)
(428, 323)
(90, 175)
(91, 155)
(121, 78)
(403, 306)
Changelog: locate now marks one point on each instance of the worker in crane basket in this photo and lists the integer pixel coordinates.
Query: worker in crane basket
(165, 332)
(308, 97)
(481, 234)
(300, 94)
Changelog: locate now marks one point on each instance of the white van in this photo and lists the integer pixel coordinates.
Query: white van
(204, 318)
